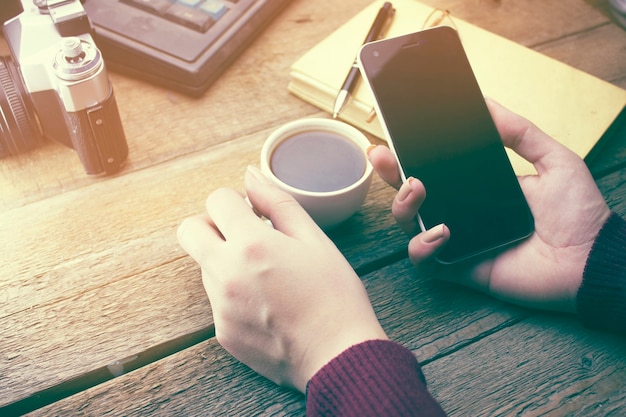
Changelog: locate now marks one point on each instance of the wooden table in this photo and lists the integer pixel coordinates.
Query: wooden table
(101, 312)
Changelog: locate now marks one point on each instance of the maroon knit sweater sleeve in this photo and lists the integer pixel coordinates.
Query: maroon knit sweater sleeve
(601, 299)
(374, 378)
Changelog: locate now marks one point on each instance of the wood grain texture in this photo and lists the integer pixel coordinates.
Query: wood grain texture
(508, 361)
(94, 285)
(544, 366)
(430, 317)
(203, 380)
(91, 273)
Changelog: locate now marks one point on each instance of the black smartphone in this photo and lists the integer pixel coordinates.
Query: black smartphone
(439, 127)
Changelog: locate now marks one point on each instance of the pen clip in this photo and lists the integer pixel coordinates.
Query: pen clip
(380, 24)
(387, 23)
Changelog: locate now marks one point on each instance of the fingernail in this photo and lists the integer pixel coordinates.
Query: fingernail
(369, 149)
(257, 174)
(406, 190)
(433, 235)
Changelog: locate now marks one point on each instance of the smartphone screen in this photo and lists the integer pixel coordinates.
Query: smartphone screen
(440, 129)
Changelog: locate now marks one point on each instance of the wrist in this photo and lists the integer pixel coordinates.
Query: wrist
(326, 352)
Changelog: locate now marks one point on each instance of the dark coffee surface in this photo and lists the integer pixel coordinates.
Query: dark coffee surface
(318, 161)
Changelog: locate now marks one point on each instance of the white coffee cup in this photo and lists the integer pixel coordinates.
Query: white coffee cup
(323, 164)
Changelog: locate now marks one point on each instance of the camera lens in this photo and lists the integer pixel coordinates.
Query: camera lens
(19, 130)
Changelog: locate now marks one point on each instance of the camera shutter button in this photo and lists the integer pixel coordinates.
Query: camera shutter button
(72, 49)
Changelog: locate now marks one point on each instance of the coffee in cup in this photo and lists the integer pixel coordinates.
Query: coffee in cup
(323, 164)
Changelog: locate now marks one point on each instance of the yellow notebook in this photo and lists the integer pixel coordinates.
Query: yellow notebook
(570, 105)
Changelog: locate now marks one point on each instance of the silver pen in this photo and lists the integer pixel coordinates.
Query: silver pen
(353, 76)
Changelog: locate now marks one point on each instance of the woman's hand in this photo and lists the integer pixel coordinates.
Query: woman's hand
(285, 301)
(544, 271)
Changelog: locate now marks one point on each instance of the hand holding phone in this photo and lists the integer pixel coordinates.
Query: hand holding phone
(440, 130)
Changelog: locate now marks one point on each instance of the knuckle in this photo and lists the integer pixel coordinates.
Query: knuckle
(220, 194)
(254, 250)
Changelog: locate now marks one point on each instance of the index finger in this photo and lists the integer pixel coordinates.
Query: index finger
(232, 215)
(285, 213)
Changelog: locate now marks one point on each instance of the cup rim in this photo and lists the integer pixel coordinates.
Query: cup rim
(309, 124)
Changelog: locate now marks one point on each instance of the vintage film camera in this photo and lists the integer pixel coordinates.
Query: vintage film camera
(55, 85)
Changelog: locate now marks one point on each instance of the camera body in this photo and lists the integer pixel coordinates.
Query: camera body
(56, 86)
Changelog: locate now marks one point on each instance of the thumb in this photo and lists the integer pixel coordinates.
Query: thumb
(285, 213)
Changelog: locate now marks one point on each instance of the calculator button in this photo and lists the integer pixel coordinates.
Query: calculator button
(214, 8)
(154, 6)
(190, 3)
(193, 18)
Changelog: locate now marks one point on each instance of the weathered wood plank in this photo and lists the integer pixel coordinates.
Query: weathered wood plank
(203, 380)
(530, 23)
(510, 372)
(546, 365)
(104, 324)
(599, 51)
(430, 317)
(613, 187)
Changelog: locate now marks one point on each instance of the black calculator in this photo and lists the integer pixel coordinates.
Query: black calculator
(184, 45)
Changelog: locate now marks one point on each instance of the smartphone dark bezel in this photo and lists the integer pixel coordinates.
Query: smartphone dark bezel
(435, 43)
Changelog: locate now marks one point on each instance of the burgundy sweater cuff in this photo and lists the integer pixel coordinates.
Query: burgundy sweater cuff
(373, 378)
(601, 298)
